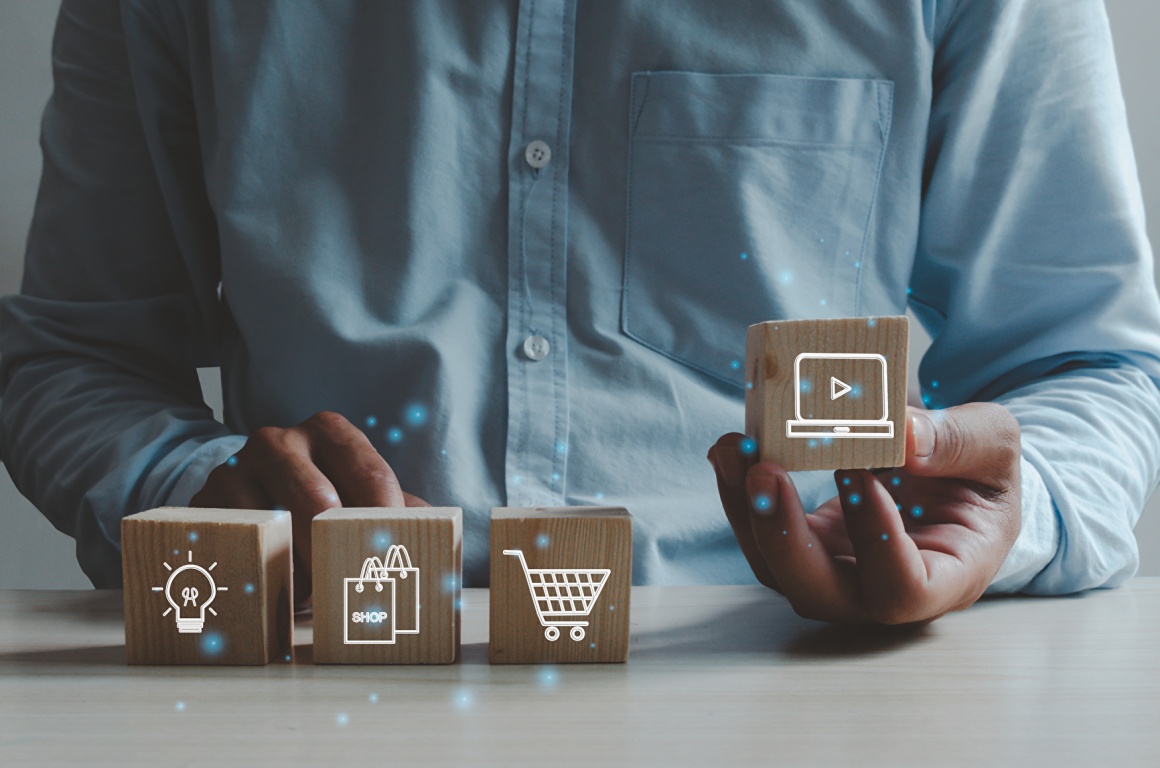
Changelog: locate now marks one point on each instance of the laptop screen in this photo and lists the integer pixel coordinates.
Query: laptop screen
(834, 387)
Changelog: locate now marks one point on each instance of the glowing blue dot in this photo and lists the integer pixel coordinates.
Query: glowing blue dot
(761, 502)
(810, 544)
(811, 443)
(744, 256)
(212, 644)
(193, 536)
(735, 364)
(822, 302)
(443, 452)
(555, 477)
(548, 677)
(785, 277)
(382, 539)
(785, 533)
(896, 480)
(459, 604)
(806, 386)
(561, 447)
(516, 479)
(898, 507)
(416, 415)
(542, 541)
(917, 511)
(342, 719)
(175, 551)
(872, 322)
(749, 385)
(373, 698)
(394, 435)
(599, 495)
(855, 391)
(248, 589)
(885, 536)
(287, 657)
(748, 446)
(232, 461)
(821, 239)
(855, 498)
(462, 699)
(612, 607)
(827, 440)
(857, 265)
(934, 384)
(926, 399)
(845, 481)
(908, 291)
(179, 706)
(592, 645)
(372, 421)
(450, 582)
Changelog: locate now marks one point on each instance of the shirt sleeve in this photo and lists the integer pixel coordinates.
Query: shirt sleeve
(102, 414)
(1034, 277)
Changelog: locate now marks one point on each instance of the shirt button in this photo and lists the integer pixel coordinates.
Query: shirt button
(536, 348)
(538, 154)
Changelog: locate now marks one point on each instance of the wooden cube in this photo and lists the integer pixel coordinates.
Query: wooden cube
(387, 585)
(828, 394)
(207, 586)
(560, 584)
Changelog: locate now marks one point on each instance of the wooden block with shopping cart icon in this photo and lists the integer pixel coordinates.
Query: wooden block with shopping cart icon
(560, 584)
(387, 585)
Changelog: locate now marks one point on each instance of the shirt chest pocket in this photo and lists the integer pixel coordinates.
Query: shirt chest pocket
(749, 198)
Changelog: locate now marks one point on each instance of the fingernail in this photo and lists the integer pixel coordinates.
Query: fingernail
(923, 434)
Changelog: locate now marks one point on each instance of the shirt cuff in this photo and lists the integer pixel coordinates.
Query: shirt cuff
(1038, 539)
(197, 467)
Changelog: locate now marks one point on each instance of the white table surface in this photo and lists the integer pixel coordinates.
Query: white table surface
(717, 676)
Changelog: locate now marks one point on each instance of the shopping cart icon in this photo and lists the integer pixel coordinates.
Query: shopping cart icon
(562, 595)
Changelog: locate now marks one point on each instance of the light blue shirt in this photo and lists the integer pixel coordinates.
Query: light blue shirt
(361, 182)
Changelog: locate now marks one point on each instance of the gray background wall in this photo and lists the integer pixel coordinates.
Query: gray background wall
(34, 555)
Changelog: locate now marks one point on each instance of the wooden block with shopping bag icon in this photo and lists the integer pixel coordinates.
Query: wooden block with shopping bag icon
(387, 585)
(560, 584)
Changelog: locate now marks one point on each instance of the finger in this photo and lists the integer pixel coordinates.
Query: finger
(829, 526)
(735, 501)
(976, 441)
(817, 586)
(892, 574)
(344, 453)
(414, 501)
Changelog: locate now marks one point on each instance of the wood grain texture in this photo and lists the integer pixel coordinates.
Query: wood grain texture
(342, 540)
(773, 348)
(248, 621)
(572, 538)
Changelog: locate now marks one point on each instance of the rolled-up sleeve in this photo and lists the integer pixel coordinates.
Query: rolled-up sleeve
(1034, 277)
(102, 414)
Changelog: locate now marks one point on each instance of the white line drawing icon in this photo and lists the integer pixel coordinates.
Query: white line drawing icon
(880, 427)
(189, 613)
(561, 595)
(396, 583)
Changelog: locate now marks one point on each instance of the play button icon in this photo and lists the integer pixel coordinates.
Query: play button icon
(838, 388)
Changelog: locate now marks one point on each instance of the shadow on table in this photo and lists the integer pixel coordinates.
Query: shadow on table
(767, 626)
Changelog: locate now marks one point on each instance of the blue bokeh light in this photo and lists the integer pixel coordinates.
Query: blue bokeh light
(548, 677)
(542, 541)
(382, 539)
(248, 588)
(193, 536)
(463, 699)
(916, 511)
(372, 421)
(762, 503)
(232, 461)
(394, 435)
(342, 719)
(179, 706)
(748, 446)
(415, 415)
(212, 644)
(855, 498)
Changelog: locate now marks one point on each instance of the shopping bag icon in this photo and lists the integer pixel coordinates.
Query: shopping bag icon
(383, 601)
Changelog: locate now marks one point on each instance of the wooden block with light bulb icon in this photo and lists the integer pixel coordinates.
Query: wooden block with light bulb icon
(387, 585)
(828, 394)
(207, 586)
(560, 585)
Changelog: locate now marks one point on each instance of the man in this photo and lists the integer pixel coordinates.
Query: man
(506, 252)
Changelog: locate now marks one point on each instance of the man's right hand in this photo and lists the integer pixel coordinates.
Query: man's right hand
(322, 463)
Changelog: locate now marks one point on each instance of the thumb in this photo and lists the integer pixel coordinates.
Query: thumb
(974, 441)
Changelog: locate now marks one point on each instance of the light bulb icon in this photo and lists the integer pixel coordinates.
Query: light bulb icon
(190, 597)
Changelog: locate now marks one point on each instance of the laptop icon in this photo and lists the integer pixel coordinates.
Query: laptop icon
(840, 395)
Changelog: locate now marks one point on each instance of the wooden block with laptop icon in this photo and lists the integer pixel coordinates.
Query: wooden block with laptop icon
(828, 394)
